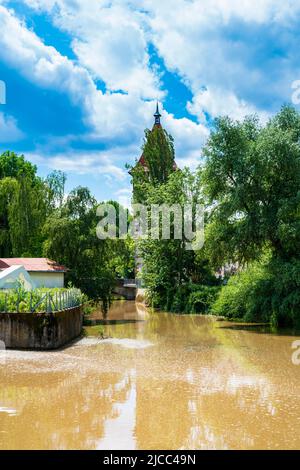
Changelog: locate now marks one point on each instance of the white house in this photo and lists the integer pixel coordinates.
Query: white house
(42, 271)
(10, 277)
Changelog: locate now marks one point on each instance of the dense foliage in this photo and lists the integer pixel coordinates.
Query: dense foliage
(267, 291)
(250, 187)
(168, 267)
(252, 181)
(158, 162)
(37, 219)
(24, 206)
(39, 300)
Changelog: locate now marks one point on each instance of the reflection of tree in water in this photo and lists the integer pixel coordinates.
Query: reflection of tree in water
(64, 412)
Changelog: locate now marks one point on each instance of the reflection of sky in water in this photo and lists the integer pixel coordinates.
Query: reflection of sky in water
(9, 411)
(119, 431)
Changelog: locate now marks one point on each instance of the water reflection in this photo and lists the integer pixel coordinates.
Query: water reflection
(163, 382)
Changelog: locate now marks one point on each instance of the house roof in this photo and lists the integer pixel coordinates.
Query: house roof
(32, 264)
(142, 162)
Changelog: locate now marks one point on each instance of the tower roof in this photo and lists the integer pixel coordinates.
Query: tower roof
(157, 116)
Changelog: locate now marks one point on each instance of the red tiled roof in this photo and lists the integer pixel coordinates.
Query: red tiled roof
(33, 264)
(142, 162)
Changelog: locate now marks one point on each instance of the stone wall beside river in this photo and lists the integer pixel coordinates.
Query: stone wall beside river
(43, 331)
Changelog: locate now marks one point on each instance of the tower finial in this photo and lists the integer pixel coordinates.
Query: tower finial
(157, 115)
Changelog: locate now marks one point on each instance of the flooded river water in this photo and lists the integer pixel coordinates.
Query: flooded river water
(160, 381)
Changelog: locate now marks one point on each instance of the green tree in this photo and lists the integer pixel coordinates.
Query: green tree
(23, 207)
(8, 188)
(14, 166)
(27, 212)
(71, 239)
(252, 182)
(158, 157)
(167, 264)
(56, 182)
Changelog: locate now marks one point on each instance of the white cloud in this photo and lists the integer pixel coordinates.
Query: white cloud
(110, 41)
(189, 139)
(82, 163)
(9, 131)
(124, 197)
(217, 102)
(108, 115)
(192, 36)
(111, 116)
(227, 47)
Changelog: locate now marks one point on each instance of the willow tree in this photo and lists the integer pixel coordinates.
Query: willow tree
(8, 187)
(23, 207)
(252, 181)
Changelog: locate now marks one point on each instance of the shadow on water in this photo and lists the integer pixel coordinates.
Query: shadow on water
(111, 322)
(262, 329)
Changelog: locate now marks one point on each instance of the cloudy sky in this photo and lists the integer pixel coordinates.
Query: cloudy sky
(83, 77)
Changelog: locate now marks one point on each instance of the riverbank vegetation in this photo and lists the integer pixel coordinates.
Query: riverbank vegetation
(252, 182)
(41, 300)
(38, 219)
(249, 185)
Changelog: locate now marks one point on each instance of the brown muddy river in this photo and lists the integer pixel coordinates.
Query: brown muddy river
(160, 382)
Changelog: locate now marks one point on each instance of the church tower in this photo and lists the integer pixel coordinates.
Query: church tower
(157, 160)
(157, 116)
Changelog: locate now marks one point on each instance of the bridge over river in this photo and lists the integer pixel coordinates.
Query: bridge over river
(127, 288)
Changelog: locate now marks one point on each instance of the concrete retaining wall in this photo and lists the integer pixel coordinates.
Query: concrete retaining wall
(40, 330)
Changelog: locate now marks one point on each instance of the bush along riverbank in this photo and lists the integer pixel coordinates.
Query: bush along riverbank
(266, 291)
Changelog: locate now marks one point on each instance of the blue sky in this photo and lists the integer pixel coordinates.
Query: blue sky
(83, 78)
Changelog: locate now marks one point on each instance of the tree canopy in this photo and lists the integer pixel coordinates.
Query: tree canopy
(252, 182)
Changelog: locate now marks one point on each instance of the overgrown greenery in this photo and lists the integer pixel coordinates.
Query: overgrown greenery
(267, 291)
(252, 182)
(40, 300)
(158, 156)
(250, 187)
(37, 219)
(169, 269)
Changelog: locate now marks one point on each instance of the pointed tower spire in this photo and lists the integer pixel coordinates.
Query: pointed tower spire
(157, 116)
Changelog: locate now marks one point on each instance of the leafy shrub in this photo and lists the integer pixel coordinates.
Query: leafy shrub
(39, 300)
(193, 298)
(201, 300)
(266, 291)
